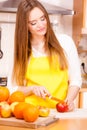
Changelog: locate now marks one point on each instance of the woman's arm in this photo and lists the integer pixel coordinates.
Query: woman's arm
(75, 80)
(37, 90)
(71, 96)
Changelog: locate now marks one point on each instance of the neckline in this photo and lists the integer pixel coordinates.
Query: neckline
(37, 53)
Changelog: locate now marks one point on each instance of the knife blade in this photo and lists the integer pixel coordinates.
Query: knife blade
(56, 99)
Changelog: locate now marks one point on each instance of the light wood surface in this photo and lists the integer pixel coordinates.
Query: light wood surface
(41, 121)
(81, 93)
(75, 120)
(77, 23)
(61, 124)
(84, 13)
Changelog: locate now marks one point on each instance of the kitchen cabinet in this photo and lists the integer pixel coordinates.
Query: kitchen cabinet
(77, 20)
(80, 23)
(84, 27)
(82, 51)
(10, 6)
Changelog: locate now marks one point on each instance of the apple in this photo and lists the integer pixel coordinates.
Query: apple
(12, 106)
(3, 103)
(5, 110)
(0, 111)
(43, 111)
(62, 107)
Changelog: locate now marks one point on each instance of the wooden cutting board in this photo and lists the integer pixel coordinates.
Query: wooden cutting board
(41, 121)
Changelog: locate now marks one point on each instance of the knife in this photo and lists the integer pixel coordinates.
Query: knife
(56, 99)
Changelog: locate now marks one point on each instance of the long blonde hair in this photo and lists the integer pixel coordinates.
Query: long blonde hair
(22, 46)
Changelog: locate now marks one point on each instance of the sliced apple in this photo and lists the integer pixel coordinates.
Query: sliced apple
(44, 112)
(5, 110)
(12, 106)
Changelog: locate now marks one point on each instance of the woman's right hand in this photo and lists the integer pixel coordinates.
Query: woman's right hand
(40, 91)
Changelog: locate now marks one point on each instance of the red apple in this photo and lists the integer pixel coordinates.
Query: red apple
(0, 111)
(62, 107)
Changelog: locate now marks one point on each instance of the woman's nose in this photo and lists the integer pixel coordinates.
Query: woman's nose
(39, 24)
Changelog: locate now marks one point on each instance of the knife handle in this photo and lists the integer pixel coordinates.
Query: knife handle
(56, 99)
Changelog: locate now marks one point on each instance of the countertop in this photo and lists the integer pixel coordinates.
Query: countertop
(76, 120)
(77, 113)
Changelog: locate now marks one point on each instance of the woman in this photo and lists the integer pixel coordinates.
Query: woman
(43, 64)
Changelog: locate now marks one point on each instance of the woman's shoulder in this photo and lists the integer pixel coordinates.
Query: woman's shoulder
(64, 38)
(66, 41)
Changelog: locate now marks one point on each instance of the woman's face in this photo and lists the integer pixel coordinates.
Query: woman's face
(37, 22)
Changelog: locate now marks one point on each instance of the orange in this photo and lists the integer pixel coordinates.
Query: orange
(31, 113)
(16, 96)
(4, 93)
(18, 110)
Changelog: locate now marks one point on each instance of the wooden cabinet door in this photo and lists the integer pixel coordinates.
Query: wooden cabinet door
(84, 13)
(84, 26)
(77, 20)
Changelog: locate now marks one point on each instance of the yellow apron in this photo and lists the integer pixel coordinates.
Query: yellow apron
(40, 73)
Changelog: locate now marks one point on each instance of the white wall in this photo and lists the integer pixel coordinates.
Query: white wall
(7, 24)
(64, 21)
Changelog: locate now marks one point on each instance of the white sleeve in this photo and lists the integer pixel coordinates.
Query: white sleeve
(10, 86)
(70, 49)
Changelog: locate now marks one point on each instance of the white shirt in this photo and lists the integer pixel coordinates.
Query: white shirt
(71, 53)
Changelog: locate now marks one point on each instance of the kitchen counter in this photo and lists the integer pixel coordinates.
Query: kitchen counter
(77, 113)
(61, 124)
(76, 120)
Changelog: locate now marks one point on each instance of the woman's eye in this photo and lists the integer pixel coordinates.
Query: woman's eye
(43, 18)
(33, 23)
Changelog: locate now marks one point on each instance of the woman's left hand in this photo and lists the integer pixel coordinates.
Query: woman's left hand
(71, 106)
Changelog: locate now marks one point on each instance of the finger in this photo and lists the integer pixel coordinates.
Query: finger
(71, 107)
(37, 92)
(47, 93)
(44, 93)
(40, 92)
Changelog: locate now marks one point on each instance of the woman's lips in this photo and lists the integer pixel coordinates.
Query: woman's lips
(41, 30)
